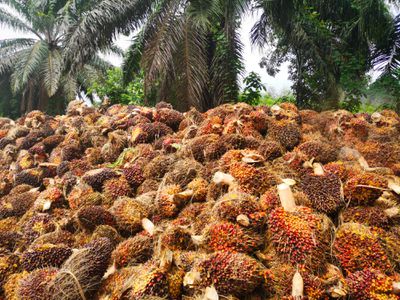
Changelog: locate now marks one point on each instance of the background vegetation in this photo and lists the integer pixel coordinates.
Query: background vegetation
(189, 53)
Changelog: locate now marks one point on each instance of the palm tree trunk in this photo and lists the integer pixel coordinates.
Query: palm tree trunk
(334, 93)
(43, 100)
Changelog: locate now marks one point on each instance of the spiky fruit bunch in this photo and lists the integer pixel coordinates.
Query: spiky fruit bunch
(367, 215)
(357, 248)
(226, 236)
(234, 204)
(239, 141)
(320, 151)
(82, 272)
(148, 186)
(151, 281)
(199, 187)
(106, 231)
(35, 285)
(38, 225)
(52, 196)
(270, 150)
(211, 125)
(9, 239)
(370, 284)
(148, 132)
(15, 205)
(207, 148)
(170, 117)
(175, 283)
(379, 154)
(92, 216)
(78, 167)
(301, 237)
(57, 237)
(45, 256)
(25, 161)
(83, 195)
(95, 178)
(52, 141)
(190, 214)
(129, 214)
(11, 286)
(71, 151)
(116, 187)
(158, 167)
(32, 177)
(9, 264)
(134, 175)
(176, 238)
(287, 133)
(324, 191)
(338, 168)
(183, 172)
(114, 286)
(364, 189)
(168, 206)
(231, 273)
(252, 180)
(132, 251)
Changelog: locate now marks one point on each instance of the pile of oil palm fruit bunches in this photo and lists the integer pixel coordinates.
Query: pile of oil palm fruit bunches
(239, 202)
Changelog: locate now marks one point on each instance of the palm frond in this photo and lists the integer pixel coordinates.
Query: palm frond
(100, 25)
(16, 23)
(159, 51)
(201, 12)
(9, 46)
(192, 65)
(70, 86)
(387, 58)
(7, 63)
(28, 63)
(133, 56)
(52, 71)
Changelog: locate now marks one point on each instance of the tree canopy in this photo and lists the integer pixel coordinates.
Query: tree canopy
(190, 52)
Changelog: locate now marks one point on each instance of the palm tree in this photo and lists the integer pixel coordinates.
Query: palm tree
(189, 50)
(320, 38)
(35, 62)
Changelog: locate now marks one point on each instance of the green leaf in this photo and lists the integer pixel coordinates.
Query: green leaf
(52, 70)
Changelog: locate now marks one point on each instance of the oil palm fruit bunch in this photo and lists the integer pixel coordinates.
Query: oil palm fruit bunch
(130, 202)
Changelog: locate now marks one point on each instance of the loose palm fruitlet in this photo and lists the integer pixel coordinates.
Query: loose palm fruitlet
(238, 202)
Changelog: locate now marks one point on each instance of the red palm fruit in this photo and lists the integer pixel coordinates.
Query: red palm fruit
(338, 168)
(95, 178)
(116, 187)
(252, 180)
(367, 215)
(176, 238)
(137, 249)
(323, 189)
(300, 236)
(287, 133)
(231, 273)
(151, 281)
(129, 214)
(370, 284)
(357, 248)
(226, 236)
(235, 204)
(45, 256)
(321, 151)
(92, 216)
(364, 188)
(35, 285)
(169, 117)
